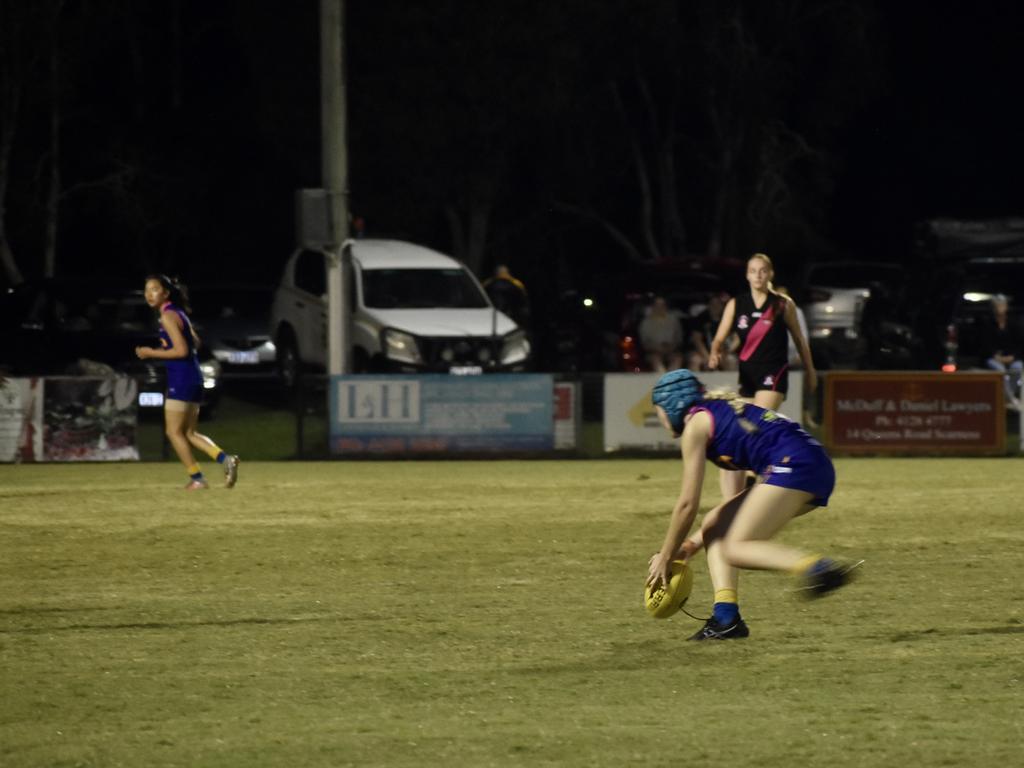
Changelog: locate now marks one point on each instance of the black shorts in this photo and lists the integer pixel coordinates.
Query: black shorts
(758, 376)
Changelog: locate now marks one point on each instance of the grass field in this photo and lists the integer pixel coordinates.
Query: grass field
(479, 614)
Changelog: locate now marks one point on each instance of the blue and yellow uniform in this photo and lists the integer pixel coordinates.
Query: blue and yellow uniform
(184, 379)
(775, 447)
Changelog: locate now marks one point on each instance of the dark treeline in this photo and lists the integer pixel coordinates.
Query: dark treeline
(562, 137)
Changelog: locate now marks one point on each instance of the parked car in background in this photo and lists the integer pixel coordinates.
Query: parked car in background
(970, 287)
(412, 310)
(233, 321)
(73, 328)
(833, 296)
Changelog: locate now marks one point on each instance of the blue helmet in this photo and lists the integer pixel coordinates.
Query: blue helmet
(676, 392)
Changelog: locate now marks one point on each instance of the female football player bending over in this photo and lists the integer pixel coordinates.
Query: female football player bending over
(796, 475)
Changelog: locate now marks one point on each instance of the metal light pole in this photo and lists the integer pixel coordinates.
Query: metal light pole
(335, 180)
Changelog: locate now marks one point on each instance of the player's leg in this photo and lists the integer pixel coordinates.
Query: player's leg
(725, 623)
(200, 441)
(176, 420)
(764, 511)
(769, 398)
(730, 482)
(211, 449)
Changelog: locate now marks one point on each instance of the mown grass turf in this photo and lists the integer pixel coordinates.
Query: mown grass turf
(476, 613)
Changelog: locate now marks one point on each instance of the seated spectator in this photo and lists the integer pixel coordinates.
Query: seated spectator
(661, 337)
(705, 324)
(1001, 348)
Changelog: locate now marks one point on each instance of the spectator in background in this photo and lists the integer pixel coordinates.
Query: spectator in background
(508, 294)
(705, 325)
(661, 336)
(1001, 348)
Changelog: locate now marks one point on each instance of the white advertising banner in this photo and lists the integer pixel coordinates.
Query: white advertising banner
(21, 419)
(567, 415)
(68, 419)
(629, 418)
(90, 419)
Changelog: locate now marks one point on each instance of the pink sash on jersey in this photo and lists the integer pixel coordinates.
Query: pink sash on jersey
(758, 332)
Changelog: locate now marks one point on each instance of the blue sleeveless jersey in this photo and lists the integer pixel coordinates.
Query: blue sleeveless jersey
(184, 379)
(769, 444)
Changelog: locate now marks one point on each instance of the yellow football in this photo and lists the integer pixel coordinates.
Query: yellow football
(666, 601)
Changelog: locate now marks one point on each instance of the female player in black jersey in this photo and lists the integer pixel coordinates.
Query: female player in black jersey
(761, 319)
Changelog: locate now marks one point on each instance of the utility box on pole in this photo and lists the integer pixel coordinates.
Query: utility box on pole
(313, 226)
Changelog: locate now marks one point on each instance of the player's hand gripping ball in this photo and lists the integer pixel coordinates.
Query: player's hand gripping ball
(666, 601)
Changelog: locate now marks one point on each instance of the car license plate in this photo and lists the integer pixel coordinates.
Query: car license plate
(465, 370)
(151, 399)
(246, 357)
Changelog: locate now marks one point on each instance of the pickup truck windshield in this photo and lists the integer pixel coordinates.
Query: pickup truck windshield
(421, 289)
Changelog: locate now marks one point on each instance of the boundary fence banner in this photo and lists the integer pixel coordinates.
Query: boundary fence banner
(21, 420)
(631, 423)
(434, 413)
(69, 418)
(567, 415)
(90, 419)
(910, 412)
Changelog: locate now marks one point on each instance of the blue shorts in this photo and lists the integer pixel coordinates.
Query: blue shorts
(186, 385)
(807, 469)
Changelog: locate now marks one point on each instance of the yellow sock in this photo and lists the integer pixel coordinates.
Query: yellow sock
(212, 450)
(803, 564)
(725, 596)
(192, 470)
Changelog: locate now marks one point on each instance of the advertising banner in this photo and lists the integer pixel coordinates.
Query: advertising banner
(631, 423)
(909, 412)
(567, 415)
(89, 419)
(433, 413)
(21, 420)
(68, 419)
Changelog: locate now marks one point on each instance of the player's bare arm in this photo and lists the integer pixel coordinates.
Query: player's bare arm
(694, 440)
(178, 350)
(724, 329)
(796, 332)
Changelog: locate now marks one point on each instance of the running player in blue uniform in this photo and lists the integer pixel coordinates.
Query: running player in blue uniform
(795, 476)
(178, 345)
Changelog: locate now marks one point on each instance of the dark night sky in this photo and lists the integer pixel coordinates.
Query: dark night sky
(943, 137)
(186, 127)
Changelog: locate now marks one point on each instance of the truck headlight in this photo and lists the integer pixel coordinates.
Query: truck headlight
(400, 347)
(515, 348)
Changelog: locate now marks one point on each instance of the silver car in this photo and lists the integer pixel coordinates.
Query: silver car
(834, 294)
(233, 322)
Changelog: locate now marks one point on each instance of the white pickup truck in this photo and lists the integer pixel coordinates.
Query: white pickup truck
(413, 310)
